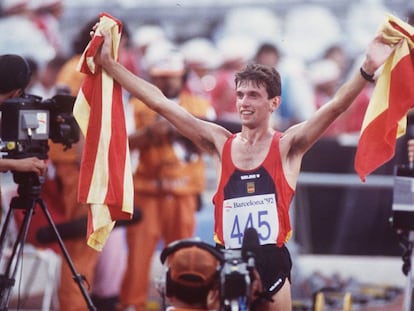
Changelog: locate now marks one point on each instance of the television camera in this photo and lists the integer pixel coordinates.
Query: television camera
(28, 122)
(235, 281)
(236, 274)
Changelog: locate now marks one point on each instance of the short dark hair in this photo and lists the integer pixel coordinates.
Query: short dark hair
(263, 75)
(188, 294)
(15, 73)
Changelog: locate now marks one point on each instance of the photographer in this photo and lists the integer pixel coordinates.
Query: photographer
(200, 276)
(15, 75)
(192, 276)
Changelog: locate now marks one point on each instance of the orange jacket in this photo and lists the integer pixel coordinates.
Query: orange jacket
(160, 167)
(68, 76)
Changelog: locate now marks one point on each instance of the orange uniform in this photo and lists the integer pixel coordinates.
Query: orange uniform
(67, 167)
(168, 181)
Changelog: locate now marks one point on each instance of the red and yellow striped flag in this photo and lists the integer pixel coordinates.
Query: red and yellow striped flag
(385, 119)
(105, 175)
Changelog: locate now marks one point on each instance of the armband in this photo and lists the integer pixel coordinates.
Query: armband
(366, 76)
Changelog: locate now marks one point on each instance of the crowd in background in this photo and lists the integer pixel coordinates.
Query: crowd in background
(308, 47)
(311, 47)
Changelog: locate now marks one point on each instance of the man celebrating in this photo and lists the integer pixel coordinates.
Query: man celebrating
(259, 166)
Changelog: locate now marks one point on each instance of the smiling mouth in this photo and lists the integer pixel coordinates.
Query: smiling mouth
(246, 113)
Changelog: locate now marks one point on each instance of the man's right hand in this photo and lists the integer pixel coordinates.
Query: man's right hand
(31, 164)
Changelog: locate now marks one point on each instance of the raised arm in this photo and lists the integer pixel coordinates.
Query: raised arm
(208, 136)
(304, 135)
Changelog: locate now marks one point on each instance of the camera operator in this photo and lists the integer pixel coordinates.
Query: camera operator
(15, 75)
(192, 276)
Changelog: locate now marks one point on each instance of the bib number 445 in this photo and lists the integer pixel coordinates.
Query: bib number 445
(260, 224)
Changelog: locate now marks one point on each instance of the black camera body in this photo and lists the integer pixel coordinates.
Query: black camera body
(236, 274)
(235, 280)
(403, 198)
(28, 122)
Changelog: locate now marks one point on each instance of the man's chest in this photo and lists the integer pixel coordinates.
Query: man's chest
(248, 157)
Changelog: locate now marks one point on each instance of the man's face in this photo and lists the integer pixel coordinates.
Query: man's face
(170, 85)
(253, 103)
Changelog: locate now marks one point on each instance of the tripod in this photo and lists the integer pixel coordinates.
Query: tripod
(29, 187)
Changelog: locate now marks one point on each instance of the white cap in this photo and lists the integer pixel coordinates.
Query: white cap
(201, 52)
(237, 47)
(147, 34)
(163, 58)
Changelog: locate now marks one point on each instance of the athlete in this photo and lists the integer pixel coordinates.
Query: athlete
(259, 166)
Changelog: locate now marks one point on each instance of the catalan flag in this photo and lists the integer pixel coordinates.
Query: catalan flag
(105, 181)
(385, 119)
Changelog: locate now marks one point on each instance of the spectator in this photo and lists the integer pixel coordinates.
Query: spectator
(202, 60)
(34, 24)
(66, 169)
(337, 54)
(141, 39)
(296, 91)
(46, 86)
(170, 176)
(235, 53)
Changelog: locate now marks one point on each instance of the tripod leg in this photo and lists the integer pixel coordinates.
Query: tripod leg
(76, 276)
(8, 278)
(4, 230)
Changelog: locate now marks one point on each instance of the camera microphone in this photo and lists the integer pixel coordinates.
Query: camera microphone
(250, 245)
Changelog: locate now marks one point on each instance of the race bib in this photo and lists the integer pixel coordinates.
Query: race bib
(259, 212)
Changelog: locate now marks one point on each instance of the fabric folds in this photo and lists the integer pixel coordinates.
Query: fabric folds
(105, 181)
(385, 119)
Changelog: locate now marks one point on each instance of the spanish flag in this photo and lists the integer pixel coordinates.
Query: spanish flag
(105, 174)
(385, 119)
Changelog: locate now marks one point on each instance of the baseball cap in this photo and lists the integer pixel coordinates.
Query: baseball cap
(15, 73)
(192, 267)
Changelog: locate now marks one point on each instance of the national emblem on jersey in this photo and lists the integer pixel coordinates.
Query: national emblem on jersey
(250, 201)
(250, 187)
